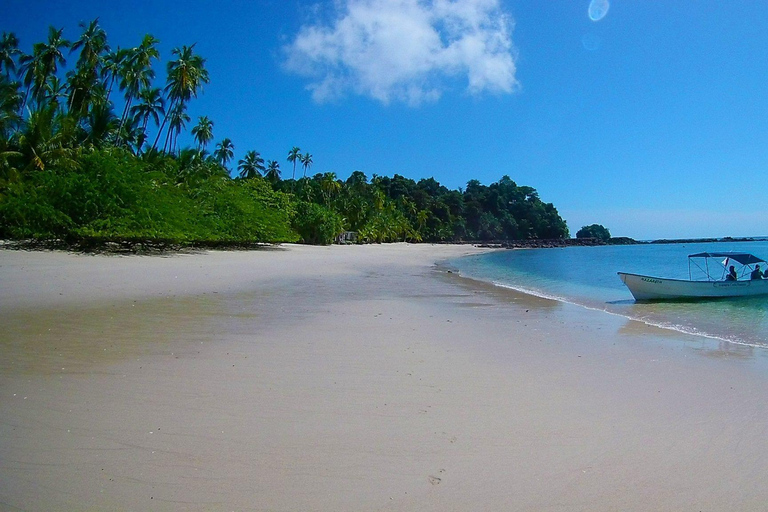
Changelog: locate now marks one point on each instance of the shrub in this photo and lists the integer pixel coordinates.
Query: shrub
(112, 195)
(316, 224)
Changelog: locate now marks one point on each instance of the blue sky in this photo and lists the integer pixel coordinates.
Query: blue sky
(652, 121)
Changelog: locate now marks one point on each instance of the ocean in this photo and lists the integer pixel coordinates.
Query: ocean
(586, 277)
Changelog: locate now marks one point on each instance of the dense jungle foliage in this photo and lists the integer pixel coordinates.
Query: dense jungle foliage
(92, 153)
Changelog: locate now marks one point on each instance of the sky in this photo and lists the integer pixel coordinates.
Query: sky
(648, 117)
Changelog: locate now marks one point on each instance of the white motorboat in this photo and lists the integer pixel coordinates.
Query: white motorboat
(742, 285)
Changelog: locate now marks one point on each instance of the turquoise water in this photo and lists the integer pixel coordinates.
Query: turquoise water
(586, 276)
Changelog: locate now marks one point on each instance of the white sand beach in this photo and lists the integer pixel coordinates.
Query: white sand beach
(355, 378)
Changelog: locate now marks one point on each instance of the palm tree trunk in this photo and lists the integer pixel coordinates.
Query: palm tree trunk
(125, 110)
(123, 118)
(160, 130)
(71, 101)
(24, 103)
(167, 137)
(111, 83)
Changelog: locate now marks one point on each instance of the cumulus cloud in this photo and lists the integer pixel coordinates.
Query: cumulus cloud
(406, 50)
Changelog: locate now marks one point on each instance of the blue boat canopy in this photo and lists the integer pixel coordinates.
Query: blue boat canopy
(743, 258)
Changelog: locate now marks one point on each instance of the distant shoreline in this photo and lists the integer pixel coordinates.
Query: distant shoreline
(161, 246)
(590, 242)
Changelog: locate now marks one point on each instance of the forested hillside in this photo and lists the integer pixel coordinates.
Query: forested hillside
(91, 151)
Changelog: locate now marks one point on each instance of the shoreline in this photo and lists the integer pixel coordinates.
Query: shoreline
(162, 247)
(354, 378)
(712, 341)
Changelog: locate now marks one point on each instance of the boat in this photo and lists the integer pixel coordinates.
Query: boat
(648, 288)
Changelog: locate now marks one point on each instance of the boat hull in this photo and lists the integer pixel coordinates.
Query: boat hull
(657, 288)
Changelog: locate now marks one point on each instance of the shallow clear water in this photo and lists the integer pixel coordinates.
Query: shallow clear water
(586, 276)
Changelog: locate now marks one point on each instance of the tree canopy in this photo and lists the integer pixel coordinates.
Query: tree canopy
(594, 231)
(401, 209)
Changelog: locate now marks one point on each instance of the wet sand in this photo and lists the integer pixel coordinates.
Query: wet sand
(355, 378)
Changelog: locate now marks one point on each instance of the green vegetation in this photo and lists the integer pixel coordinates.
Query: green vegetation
(93, 153)
(594, 231)
(111, 195)
(400, 209)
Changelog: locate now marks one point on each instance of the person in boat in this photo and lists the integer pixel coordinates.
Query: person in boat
(757, 273)
(731, 276)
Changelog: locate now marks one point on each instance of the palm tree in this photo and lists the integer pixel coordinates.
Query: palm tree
(48, 57)
(151, 104)
(83, 81)
(273, 171)
(293, 155)
(132, 136)
(203, 132)
(10, 103)
(46, 141)
(252, 165)
(178, 120)
(112, 63)
(53, 91)
(9, 49)
(134, 76)
(224, 152)
(421, 218)
(81, 85)
(186, 75)
(101, 122)
(136, 71)
(306, 162)
(329, 185)
(378, 199)
(28, 64)
(146, 51)
(192, 164)
(92, 44)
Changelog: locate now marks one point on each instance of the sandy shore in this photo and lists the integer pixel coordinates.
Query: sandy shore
(354, 379)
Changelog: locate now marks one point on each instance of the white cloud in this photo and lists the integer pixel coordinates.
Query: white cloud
(406, 50)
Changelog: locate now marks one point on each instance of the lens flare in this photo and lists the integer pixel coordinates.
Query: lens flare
(598, 9)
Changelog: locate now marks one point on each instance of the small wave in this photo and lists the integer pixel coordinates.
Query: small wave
(660, 324)
(692, 331)
(535, 293)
